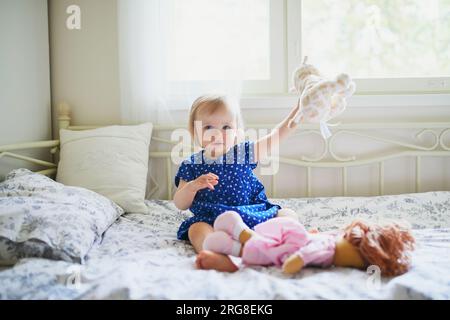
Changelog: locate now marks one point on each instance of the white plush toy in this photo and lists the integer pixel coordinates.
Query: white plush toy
(321, 99)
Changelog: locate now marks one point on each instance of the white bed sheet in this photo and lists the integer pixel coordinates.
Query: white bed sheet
(140, 258)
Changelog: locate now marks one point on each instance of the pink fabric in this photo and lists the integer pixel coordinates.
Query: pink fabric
(278, 238)
(231, 223)
(319, 251)
(221, 242)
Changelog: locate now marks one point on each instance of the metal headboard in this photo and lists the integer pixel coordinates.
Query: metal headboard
(327, 159)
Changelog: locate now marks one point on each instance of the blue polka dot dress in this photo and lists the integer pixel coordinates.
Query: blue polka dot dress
(238, 189)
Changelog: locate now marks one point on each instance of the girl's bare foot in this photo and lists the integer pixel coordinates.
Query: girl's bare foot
(208, 260)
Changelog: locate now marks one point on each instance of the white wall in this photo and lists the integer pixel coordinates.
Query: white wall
(84, 63)
(24, 74)
(85, 73)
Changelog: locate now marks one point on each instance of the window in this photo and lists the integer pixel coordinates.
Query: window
(390, 45)
(211, 39)
(224, 39)
(386, 46)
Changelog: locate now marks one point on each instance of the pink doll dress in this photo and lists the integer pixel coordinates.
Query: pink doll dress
(278, 238)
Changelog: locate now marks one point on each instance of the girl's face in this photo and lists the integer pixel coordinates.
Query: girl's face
(216, 132)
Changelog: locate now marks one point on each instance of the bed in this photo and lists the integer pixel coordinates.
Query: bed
(139, 256)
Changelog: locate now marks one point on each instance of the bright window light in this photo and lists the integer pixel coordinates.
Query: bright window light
(378, 38)
(219, 39)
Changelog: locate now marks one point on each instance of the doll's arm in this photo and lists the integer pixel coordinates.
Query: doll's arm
(318, 252)
(279, 133)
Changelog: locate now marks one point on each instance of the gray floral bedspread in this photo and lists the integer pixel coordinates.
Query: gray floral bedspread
(140, 258)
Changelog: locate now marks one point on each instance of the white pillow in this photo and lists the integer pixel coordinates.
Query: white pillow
(112, 161)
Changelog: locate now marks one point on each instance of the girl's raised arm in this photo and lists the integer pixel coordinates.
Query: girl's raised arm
(279, 133)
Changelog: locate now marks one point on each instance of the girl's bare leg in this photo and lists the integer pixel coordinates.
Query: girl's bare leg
(207, 259)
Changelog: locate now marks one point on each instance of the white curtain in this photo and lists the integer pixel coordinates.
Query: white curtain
(146, 95)
(142, 58)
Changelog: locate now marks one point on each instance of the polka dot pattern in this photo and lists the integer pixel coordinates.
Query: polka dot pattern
(238, 189)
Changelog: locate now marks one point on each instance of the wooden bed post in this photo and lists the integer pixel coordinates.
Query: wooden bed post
(63, 116)
(63, 123)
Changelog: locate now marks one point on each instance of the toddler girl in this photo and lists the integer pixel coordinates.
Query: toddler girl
(220, 177)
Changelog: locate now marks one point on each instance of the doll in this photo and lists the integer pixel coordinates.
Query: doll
(321, 99)
(285, 242)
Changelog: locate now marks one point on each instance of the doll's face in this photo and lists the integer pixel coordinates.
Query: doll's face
(347, 255)
(215, 132)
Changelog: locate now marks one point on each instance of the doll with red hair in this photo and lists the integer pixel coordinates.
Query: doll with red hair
(285, 242)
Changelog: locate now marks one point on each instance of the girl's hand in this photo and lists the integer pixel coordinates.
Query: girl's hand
(208, 180)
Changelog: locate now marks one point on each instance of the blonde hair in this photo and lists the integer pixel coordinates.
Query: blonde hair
(214, 102)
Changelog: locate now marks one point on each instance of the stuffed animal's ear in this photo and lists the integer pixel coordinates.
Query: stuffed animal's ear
(343, 79)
